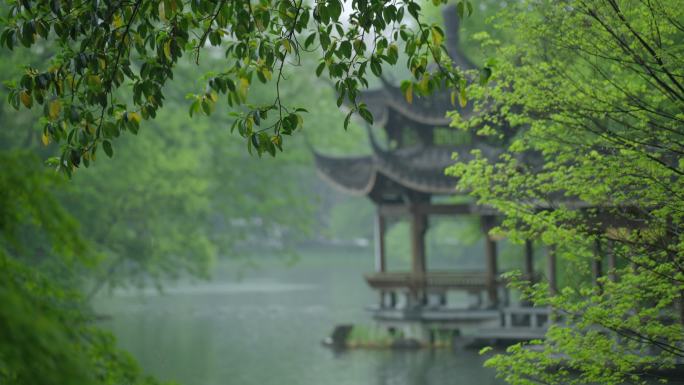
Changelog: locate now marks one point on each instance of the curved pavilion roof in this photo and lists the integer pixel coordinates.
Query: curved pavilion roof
(426, 111)
(417, 168)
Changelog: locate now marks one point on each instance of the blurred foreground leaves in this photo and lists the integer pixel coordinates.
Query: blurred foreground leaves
(47, 335)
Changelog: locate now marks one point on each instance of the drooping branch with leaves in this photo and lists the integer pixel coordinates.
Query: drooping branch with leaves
(114, 58)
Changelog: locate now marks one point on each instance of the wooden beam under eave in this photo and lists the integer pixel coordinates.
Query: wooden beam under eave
(430, 209)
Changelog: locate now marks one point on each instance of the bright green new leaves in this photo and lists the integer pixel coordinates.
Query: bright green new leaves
(596, 92)
(114, 58)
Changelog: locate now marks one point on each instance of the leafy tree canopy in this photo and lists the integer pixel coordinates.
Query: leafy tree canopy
(597, 91)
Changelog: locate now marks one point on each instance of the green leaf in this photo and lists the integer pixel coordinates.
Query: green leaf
(460, 9)
(376, 68)
(309, 40)
(365, 114)
(335, 7)
(194, 107)
(414, 9)
(107, 147)
(320, 68)
(324, 13)
(347, 119)
(340, 98)
(324, 38)
(346, 49)
(485, 74)
(206, 107)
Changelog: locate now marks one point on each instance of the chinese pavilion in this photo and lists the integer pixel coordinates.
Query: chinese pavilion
(404, 177)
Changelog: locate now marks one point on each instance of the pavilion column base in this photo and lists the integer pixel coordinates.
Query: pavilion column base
(417, 331)
(388, 299)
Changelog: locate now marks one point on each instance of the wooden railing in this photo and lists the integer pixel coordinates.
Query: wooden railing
(433, 280)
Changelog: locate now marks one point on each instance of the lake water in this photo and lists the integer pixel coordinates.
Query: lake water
(265, 328)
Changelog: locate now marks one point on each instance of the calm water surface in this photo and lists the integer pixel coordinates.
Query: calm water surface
(265, 329)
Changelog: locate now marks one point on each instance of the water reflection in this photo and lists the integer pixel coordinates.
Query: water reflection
(266, 330)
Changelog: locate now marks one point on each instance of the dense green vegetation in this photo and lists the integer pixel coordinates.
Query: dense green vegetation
(596, 88)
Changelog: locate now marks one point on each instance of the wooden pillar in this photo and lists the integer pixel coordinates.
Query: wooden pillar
(596, 263)
(529, 260)
(492, 271)
(612, 261)
(551, 270)
(380, 263)
(416, 295)
(491, 261)
(418, 228)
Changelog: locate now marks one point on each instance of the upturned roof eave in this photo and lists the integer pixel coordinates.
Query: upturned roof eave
(376, 167)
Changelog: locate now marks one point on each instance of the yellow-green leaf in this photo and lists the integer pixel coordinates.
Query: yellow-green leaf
(423, 86)
(134, 117)
(167, 49)
(462, 100)
(408, 94)
(437, 36)
(117, 21)
(26, 99)
(94, 81)
(243, 88)
(54, 108)
(171, 6)
(162, 11)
